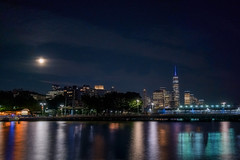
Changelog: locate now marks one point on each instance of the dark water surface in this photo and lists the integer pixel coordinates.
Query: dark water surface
(119, 140)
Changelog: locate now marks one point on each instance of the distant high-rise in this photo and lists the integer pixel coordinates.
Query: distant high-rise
(165, 97)
(56, 91)
(193, 100)
(71, 94)
(99, 87)
(145, 98)
(161, 98)
(99, 90)
(187, 98)
(176, 94)
(190, 99)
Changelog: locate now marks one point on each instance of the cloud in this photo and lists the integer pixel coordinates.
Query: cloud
(37, 28)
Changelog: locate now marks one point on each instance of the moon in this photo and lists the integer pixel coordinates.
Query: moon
(41, 61)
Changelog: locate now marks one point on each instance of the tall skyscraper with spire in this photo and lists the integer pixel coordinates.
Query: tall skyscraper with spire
(176, 94)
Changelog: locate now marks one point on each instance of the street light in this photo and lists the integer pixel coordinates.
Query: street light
(152, 105)
(138, 105)
(43, 104)
(61, 108)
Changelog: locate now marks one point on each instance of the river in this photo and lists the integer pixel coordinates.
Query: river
(60, 140)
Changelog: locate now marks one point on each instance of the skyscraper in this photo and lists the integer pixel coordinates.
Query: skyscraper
(157, 98)
(145, 98)
(176, 95)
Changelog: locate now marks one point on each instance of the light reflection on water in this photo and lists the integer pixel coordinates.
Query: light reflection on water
(61, 145)
(136, 148)
(153, 149)
(123, 140)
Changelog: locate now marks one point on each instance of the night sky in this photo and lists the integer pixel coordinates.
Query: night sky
(131, 45)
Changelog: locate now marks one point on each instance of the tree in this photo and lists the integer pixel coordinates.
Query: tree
(25, 100)
(133, 100)
(114, 101)
(6, 100)
(93, 103)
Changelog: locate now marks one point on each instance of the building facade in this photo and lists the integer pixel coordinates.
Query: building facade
(187, 98)
(156, 98)
(161, 98)
(190, 99)
(56, 91)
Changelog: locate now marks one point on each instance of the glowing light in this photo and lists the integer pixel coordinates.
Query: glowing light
(41, 61)
(99, 87)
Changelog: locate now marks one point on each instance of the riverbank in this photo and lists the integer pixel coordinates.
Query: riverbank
(161, 117)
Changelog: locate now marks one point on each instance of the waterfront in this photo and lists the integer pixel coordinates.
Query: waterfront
(119, 140)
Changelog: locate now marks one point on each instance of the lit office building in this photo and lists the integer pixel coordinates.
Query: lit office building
(187, 98)
(193, 100)
(99, 87)
(156, 98)
(161, 98)
(72, 95)
(165, 97)
(56, 91)
(87, 90)
(190, 99)
(99, 90)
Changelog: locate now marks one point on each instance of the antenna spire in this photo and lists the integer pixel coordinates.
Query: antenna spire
(175, 71)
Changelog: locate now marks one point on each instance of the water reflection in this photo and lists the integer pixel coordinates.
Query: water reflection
(20, 131)
(137, 146)
(163, 140)
(41, 138)
(125, 140)
(153, 141)
(12, 136)
(215, 144)
(98, 147)
(60, 141)
(227, 140)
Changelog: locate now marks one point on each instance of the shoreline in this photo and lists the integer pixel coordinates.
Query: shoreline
(161, 117)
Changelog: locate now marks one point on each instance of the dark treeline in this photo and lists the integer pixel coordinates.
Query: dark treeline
(108, 103)
(113, 103)
(10, 101)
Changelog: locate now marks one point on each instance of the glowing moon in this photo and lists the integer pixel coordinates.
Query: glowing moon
(41, 61)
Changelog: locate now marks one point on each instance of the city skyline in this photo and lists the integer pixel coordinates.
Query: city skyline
(129, 45)
(159, 97)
